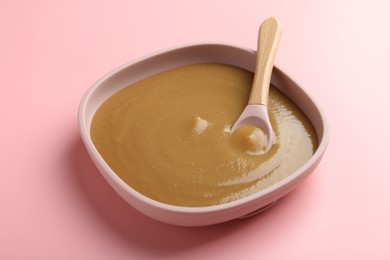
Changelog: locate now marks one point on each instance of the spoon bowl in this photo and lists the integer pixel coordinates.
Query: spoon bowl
(257, 115)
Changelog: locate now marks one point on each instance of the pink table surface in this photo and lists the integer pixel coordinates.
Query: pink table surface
(54, 203)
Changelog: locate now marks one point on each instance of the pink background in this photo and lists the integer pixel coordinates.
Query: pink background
(54, 203)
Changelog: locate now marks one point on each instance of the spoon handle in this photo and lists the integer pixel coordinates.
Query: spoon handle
(268, 40)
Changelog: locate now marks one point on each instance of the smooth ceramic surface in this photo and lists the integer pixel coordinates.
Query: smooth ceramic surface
(179, 56)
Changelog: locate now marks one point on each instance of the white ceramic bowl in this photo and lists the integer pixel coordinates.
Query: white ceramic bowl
(190, 54)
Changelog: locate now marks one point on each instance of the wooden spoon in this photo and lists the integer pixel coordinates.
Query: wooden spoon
(256, 112)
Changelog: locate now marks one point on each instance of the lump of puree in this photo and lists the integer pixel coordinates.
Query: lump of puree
(168, 136)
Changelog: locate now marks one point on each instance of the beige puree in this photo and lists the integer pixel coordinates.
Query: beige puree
(168, 136)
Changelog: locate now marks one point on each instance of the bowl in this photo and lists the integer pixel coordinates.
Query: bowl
(184, 55)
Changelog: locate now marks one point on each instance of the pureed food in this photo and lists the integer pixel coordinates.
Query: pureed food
(168, 136)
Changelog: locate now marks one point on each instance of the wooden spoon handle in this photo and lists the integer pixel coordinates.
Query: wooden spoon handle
(268, 40)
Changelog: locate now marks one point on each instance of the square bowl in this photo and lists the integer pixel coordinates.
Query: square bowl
(191, 54)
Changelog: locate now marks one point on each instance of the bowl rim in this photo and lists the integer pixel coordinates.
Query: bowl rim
(275, 188)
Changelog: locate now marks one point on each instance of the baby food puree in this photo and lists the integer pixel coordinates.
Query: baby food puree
(168, 136)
